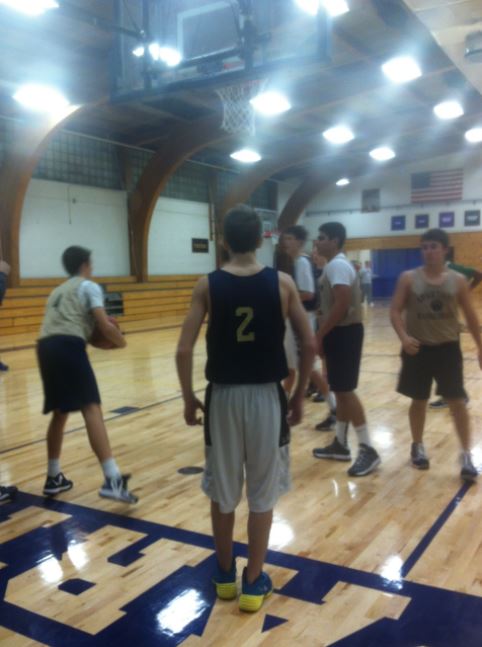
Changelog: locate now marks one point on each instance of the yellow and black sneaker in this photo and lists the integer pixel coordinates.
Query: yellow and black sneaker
(253, 595)
(225, 582)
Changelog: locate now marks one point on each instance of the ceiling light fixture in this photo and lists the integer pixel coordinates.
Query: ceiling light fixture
(168, 55)
(139, 51)
(246, 155)
(30, 7)
(332, 7)
(448, 110)
(382, 154)
(343, 181)
(402, 69)
(335, 7)
(338, 135)
(474, 135)
(40, 98)
(270, 103)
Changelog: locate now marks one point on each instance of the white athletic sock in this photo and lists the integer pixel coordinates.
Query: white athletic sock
(331, 401)
(110, 469)
(363, 435)
(53, 467)
(341, 431)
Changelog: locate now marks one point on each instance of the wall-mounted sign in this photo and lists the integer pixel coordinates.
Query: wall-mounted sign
(422, 221)
(472, 218)
(200, 245)
(398, 223)
(446, 219)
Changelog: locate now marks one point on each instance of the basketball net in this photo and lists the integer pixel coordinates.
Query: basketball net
(238, 113)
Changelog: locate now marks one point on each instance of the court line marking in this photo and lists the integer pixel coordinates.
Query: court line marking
(13, 349)
(119, 415)
(433, 531)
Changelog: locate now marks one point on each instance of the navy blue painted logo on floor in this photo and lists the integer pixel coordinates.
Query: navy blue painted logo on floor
(77, 576)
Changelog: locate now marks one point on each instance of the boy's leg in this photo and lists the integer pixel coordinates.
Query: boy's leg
(115, 485)
(259, 526)
(416, 415)
(97, 432)
(460, 415)
(55, 435)
(223, 525)
(55, 482)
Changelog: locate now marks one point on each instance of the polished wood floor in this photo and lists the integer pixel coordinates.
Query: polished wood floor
(372, 524)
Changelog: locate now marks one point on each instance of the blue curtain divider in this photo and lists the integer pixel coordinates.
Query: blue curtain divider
(387, 266)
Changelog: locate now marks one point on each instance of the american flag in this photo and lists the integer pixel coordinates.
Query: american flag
(433, 186)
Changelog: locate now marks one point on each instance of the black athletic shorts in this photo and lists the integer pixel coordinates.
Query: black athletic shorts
(343, 350)
(68, 379)
(442, 363)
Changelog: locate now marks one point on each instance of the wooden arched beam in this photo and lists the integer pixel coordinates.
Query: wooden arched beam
(181, 143)
(301, 198)
(262, 171)
(28, 144)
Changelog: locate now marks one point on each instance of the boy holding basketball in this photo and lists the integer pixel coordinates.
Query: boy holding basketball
(73, 310)
(246, 415)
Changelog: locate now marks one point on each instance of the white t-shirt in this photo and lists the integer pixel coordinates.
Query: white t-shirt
(339, 271)
(304, 275)
(366, 275)
(90, 295)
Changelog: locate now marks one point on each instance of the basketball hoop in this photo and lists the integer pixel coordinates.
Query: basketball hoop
(238, 113)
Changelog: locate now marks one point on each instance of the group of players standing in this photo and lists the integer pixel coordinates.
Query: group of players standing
(250, 354)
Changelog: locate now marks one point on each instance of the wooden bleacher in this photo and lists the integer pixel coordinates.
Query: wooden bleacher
(161, 298)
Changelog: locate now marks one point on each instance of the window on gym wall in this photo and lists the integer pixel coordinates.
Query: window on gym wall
(370, 200)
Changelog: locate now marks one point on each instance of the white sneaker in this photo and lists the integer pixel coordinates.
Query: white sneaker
(116, 489)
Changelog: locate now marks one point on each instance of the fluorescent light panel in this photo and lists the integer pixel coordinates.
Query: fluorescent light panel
(30, 7)
(332, 7)
(168, 55)
(246, 155)
(343, 181)
(474, 135)
(448, 110)
(338, 135)
(335, 7)
(382, 154)
(40, 98)
(401, 69)
(270, 103)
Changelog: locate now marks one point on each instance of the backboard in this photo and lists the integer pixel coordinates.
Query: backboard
(219, 41)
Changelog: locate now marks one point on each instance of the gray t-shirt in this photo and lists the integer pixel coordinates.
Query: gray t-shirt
(69, 309)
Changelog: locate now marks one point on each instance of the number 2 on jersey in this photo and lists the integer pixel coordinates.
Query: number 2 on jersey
(247, 314)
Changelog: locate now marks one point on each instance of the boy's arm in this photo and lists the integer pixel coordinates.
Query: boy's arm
(189, 333)
(399, 300)
(471, 318)
(301, 326)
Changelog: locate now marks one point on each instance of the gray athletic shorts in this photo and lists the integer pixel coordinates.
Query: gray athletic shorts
(246, 432)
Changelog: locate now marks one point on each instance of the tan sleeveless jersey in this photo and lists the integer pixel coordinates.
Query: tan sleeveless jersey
(431, 313)
(354, 312)
(65, 314)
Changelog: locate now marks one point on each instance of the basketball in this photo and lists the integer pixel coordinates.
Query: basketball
(98, 340)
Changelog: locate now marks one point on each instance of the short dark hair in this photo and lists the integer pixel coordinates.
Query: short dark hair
(297, 231)
(437, 236)
(74, 257)
(242, 229)
(334, 230)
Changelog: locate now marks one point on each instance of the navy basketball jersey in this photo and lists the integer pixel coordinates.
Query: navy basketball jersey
(246, 329)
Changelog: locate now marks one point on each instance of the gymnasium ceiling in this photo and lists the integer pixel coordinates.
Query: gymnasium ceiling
(70, 47)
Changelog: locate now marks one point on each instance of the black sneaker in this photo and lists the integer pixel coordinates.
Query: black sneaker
(336, 451)
(317, 397)
(57, 484)
(116, 489)
(419, 457)
(468, 472)
(327, 424)
(366, 461)
(438, 404)
(8, 492)
(3, 367)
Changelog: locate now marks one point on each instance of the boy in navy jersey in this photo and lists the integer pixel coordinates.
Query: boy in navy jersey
(246, 415)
